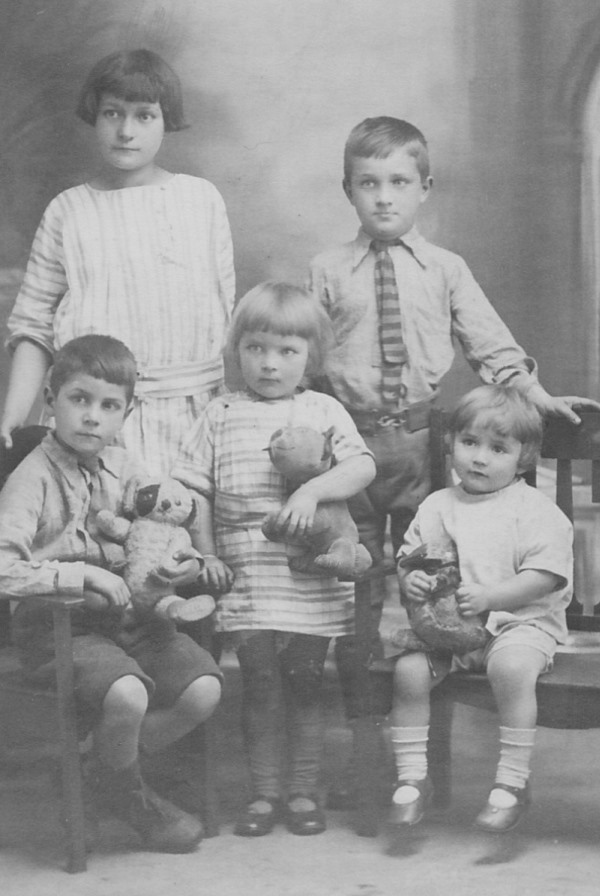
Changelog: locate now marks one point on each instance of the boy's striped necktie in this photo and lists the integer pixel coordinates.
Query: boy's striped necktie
(393, 349)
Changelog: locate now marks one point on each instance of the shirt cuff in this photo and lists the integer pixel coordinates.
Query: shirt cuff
(71, 577)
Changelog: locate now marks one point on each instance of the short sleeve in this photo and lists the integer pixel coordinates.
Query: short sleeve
(546, 540)
(44, 284)
(195, 465)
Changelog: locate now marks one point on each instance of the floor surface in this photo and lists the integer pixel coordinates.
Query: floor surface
(555, 851)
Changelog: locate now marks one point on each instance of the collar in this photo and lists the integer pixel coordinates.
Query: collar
(69, 463)
(469, 497)
(412, 241)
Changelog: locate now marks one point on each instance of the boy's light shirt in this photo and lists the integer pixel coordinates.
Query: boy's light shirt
(439, 299)
(45, 518)
(498, 535)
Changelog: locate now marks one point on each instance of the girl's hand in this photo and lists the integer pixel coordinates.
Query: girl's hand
(472, 600)
(416, 586)
(108, 584)
(297, 516)
(216, 575)
(7, 427)
(182, 568)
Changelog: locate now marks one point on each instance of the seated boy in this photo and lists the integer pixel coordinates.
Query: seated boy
(138, 686)
(397, 303)
(515, 550)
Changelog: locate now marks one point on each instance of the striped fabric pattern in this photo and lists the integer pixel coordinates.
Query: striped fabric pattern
(393, 350)
(225, 459)
(151, 265)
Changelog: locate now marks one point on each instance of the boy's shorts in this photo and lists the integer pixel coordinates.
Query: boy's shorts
(401, 484)
(165, 660)
(517, 635)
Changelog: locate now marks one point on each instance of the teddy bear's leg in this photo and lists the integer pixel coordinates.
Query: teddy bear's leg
(362, 560)
(181, 610)
(304, 563)
(339, 558)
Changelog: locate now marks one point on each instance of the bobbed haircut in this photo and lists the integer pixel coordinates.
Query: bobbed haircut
(97, 355)
(285, 309)
(505, 411)
(378, 137)
(134, 76)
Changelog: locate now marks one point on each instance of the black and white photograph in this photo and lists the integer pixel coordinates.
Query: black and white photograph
(299, 447)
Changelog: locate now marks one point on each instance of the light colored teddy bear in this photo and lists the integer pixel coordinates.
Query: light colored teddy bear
(152, 536)
(332, 548)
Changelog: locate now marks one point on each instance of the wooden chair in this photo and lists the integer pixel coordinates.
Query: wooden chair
(569, 696)
(33, 715)
(35, 712)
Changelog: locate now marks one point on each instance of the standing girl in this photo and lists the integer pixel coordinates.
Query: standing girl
(279, 621)
(137, 253)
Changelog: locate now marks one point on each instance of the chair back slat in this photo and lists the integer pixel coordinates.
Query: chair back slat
(596, 481)
(564, 486)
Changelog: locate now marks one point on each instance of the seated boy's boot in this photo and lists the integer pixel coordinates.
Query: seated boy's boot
(176, 773)
(161, 825)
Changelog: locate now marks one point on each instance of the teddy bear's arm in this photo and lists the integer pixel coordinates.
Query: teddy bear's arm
(114, 527)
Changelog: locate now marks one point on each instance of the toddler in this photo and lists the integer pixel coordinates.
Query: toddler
(514, 550)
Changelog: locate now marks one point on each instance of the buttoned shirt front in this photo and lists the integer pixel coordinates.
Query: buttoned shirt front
(48, 508)
(440, 300)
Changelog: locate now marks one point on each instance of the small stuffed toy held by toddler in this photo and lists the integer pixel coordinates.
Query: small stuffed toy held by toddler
(152, 537)
(332, 548)
(437, 623)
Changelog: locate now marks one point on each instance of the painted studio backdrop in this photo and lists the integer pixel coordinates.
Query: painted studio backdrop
(508, 95)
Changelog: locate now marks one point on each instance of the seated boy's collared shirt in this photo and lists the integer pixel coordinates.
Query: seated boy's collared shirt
(439, 299)
(47, 511)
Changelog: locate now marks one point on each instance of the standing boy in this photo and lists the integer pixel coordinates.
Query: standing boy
(139, 684)
(396, 303)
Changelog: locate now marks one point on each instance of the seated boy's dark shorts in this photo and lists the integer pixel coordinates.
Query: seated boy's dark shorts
(165, 660)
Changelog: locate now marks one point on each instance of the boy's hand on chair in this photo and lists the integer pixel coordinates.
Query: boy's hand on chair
(560, 405)
(108, 584)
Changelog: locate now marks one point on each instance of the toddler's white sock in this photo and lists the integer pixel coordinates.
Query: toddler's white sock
(410, 755)
(516, 747)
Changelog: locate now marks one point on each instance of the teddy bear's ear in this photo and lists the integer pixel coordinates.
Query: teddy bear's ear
(129, 496)
(192, 516)
(272, 440)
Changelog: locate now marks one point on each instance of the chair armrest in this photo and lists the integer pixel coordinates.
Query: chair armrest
(68, 601)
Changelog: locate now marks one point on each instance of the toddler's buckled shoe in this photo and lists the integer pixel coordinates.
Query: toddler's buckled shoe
(497, 820)
(412, 813)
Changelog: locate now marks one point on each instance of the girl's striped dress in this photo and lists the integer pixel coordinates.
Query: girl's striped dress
(225, 459)
(153, 266)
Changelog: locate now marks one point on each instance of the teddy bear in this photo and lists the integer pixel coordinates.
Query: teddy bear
(437, 623)
(151, 532)
(332, 548)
